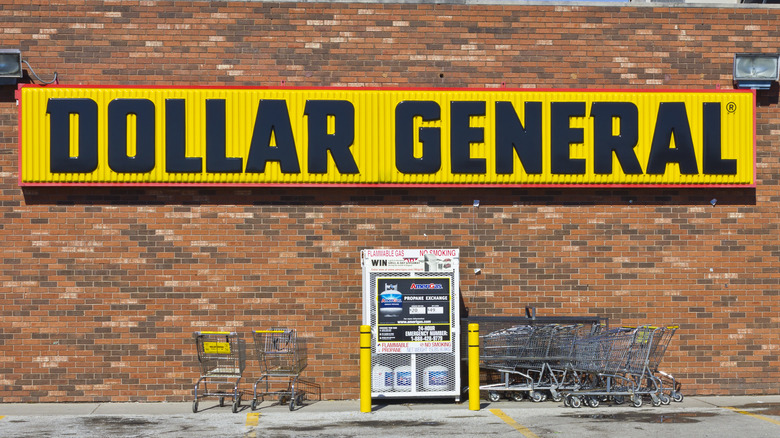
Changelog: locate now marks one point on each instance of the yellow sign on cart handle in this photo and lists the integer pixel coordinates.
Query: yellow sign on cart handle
(216, 347)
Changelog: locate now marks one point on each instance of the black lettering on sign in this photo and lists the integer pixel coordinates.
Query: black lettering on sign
(622, 144)
(713, 162)
(672, 121)
(514, 138)
(86, 160)
(430, 137)
(118, 159)
(562, 136)
(462, 136)
(216, 151)
(273, 120)
(338, 143)
(176, 160)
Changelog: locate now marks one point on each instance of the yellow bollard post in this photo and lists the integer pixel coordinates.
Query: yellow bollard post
(365, 368)
(473, 367)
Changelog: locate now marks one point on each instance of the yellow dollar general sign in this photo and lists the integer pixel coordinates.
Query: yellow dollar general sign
(385, 137)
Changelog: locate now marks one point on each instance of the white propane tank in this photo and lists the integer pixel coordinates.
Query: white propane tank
(436, 378)
(403, 378)
(381, 379)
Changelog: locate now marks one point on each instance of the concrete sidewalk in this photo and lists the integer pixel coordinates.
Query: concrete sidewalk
(715, 416)
(210, 404)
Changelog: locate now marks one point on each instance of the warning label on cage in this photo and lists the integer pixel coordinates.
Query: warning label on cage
(414, 315)
(421, 260)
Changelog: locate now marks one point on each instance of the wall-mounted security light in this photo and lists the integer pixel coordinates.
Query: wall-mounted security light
(11, 72)
(756, 70)
(10, 66)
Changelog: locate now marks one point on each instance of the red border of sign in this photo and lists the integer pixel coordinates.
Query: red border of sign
(382, 185)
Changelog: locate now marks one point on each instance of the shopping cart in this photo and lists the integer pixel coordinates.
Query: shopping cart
(222, 359)
(617, 364)
(531, 359)
(282, 357)
(501, 350)
(670, 387)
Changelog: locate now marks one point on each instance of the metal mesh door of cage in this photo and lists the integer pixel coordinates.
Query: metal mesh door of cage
(416, 374)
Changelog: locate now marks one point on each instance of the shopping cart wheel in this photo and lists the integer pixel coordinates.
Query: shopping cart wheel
(536, 396)
(195, 407)
(517, 396)
(292, 403)
(677, 396)
(618, 399)
(655, 401)
(637, 401)
(665, 399)
(557, 397)
(254, 404)
(575, 401)
(236, 404)
(221, 402)
(494, 396)
(593, 402)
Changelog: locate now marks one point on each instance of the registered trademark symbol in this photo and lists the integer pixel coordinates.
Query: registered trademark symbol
(731, 107)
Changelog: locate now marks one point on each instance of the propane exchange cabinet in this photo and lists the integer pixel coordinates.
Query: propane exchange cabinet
(411, 303)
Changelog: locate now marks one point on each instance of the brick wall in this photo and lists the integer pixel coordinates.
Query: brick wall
(101, 288)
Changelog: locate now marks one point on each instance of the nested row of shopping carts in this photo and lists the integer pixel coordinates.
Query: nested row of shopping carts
(579, 364)
(281, 354)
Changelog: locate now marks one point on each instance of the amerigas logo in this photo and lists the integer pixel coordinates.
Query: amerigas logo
(427, 286)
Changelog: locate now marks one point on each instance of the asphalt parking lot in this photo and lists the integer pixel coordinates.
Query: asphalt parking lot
(695, 417)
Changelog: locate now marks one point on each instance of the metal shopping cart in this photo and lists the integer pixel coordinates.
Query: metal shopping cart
(222, 359)
(616, 364)
(670, 387)
(282, 357)
(531, 359)
(500, 352)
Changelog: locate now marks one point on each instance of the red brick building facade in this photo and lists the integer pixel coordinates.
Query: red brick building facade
(102, 287)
